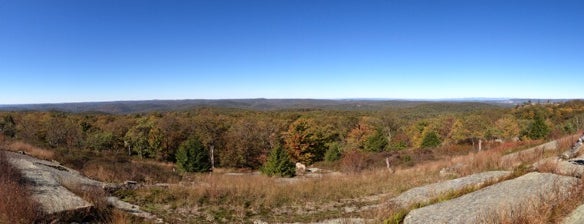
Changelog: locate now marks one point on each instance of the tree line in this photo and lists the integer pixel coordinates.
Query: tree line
(244, 138)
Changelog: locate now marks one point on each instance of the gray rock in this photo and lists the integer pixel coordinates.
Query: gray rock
(505, 199)
(425, 194)
(572, 152)
(576, 217)
(47, 186)
(573, 167)
(47, 180)
(130, 208)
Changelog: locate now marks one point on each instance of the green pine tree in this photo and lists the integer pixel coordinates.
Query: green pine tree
(431, 140)
(538, 129)
(333, 153)
(193, 157)
(279, 164)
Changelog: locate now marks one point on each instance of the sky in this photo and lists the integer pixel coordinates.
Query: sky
(54, 51)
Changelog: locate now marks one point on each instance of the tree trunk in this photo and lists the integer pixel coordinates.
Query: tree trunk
(212, 148)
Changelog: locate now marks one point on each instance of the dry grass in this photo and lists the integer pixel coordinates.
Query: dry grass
(101, 212)
(119, 170)
(117, 167)
(544, 208)
(248, 197)
(16, 205)
(245, 197)
(30, 150)
(218, 197)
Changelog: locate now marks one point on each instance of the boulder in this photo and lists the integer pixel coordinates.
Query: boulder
(424, 194)
(504, 199)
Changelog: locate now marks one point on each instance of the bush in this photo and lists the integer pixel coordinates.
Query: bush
(100, 141)
(279, 164)
(538, 129)
(431, 140)
(193, 157)
(333, 153)
(377, 142)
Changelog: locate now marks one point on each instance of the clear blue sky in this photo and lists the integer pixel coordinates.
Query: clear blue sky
(101, 50)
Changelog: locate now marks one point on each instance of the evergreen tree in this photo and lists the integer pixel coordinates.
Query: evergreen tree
(279, 164)
(431, 140)
(193, 157)
(333, 153)
(538, 129)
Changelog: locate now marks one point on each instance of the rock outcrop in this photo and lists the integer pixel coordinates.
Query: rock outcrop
(573, 167)
(574, 150)
(503, 199)
(46, 180)
(576, 217)
(424, 194)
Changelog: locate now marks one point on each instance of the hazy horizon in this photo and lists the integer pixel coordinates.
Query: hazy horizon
(101, 51)
(462, 99)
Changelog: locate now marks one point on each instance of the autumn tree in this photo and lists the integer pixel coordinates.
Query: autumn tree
(247, 143)
(470, 128)
(368, 135)
(210, 127)
(306, 141)
(8, 126)
(172, 132)
(142, 138)
(507, 127)
(99, 140)
(62, 131)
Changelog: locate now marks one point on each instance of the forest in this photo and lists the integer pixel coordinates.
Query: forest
(243, 138)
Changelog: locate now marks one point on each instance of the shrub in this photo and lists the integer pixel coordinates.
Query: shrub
(376, 142)
(279, 164)
(538, 129)
(431, 140)
(193, 157)
(100, 141)
(333, 153)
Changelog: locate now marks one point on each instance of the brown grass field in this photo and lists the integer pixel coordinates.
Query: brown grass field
(246, 197)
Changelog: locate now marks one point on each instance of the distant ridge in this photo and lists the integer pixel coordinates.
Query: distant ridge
(124, 107)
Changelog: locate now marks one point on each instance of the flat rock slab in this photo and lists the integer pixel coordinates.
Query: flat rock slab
(576, 217)
(130, 208)
(45, 178)
(506, 198)
(424, 194)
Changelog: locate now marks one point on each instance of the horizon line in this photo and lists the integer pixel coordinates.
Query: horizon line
(334, 99)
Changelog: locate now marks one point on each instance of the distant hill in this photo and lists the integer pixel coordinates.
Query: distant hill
(125, 107)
